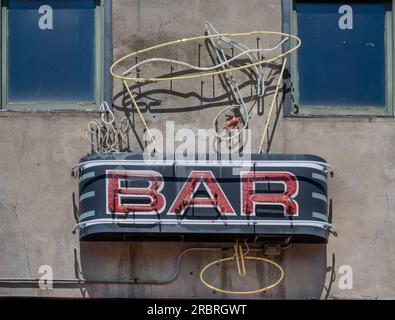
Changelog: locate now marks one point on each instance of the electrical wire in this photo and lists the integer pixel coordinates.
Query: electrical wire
(134, 281)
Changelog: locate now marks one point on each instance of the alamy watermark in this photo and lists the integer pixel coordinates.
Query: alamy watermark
(346, 279)
(195, 145)
(45, 282)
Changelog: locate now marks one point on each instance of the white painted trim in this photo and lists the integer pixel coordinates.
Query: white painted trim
(87, 195)
(301, 223)
(319, 196)
(320, 216)
(264, 163)
(318, 176)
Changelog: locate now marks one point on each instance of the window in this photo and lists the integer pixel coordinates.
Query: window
(53, 54)
(344, 66)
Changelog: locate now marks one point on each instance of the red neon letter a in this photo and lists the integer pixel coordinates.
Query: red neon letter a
(186, 198)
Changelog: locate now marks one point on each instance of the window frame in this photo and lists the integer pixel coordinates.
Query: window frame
(291, 83)
(103, 60)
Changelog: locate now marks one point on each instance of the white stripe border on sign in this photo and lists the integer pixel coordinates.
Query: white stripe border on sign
(301, 223)
(264, 163)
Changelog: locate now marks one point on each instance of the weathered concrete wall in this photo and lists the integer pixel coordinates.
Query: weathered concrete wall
(38, 195)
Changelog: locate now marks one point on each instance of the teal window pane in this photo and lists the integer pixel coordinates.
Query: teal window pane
(51, 51)
(342, 60)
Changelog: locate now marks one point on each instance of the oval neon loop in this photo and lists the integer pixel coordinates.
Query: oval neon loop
(270, 286)
(199, 75)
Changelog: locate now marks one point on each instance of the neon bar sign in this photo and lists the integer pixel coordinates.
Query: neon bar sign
(277, 196)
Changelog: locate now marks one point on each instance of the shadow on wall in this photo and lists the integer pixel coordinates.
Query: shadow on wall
(147, 103)
(163, 98)
(154, 270)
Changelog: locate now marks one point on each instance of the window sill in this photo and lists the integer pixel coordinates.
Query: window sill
(342, 112)
(339, 117)
(53, 112)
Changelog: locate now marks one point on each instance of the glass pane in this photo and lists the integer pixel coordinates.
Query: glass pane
(342, 58)
(51, 61)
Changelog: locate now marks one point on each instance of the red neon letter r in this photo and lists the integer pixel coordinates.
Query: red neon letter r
(251, 199)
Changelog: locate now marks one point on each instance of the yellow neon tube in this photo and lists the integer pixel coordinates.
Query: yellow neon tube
(199, 75)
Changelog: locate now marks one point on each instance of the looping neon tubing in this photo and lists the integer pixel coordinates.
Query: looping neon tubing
(199, 75)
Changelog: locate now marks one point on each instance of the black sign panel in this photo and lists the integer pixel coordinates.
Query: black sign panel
(268, 197)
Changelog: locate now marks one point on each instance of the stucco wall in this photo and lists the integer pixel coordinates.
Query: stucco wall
(38, 195)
